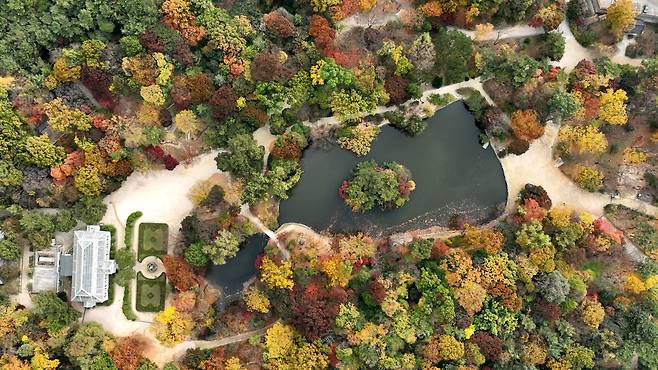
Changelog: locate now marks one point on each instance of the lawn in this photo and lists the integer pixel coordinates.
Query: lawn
(151, 293)
(153, 239)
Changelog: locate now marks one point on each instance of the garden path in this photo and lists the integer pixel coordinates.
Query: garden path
(162, 196)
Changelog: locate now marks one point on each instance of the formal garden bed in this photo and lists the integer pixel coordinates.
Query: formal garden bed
(153, 239)
(151, 293)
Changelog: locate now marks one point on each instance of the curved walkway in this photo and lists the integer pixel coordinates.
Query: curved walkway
(162, 195)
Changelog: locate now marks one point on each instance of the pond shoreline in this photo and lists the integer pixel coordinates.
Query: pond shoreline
(459, 175)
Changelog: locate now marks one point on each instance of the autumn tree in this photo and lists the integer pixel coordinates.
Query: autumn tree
(276, 275)
(187, 122)
(171, 327)
(443, 348)
(179, 273)
(178, 15)
(322, 32)
(619, 16)
(583, 139)
(421, 53)
(613, 106)
(277, 23)
(41, 152)
(223, 102)
(266, 66)
(549, 17)
(526, 125)
(128, 352)
(483, 238)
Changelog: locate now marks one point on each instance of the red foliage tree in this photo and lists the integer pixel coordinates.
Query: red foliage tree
(266, 66)
(490, 346)
(311, 318)
(215, 361)
(324, 35)
(254, 115)
(396, 87)
(532, 211)
(602, 226)
(279, 24)
(98, 82)
(439, 249)
(223, 103)
(347, 59)
(548, 311)
(377, 290)
(154, 153)
(190, 90)
(150, 40)
(127, 354)
(182, 53)
(286, 148)
(179, 273)
(170, 162)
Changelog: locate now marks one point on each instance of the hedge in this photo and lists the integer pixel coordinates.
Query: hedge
(125, 307)
(130, 226)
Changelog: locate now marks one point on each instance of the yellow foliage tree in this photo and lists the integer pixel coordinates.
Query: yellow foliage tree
(560, 216)
(613, 107)
(635, 156)
(590, 178)
(172, 327)
(187, 122)
(592, 313)
(583, 139)
(279, 340)
(233, 363)
(276, 276)
(470, 296)
(338, 271)
(41, 361)
(256, 301)
(152, 94)
(634, 284)
(620, 16)
(62, 118)
(9, 362)
(355, 247)
(484, 238)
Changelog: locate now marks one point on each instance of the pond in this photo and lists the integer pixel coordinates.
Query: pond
(453, 174)
(230, 276)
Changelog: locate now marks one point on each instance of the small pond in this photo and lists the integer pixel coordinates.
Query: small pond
(453, 174)
(230, 276)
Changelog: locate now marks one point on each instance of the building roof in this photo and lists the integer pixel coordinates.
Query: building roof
(91, 266)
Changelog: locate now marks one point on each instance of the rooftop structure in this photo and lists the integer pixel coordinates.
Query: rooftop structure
(45, 276)
(91, 266)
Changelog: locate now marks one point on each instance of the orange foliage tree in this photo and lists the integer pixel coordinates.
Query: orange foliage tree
(525, 124)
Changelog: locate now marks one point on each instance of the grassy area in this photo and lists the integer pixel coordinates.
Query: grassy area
(151, 293)
(153, 238)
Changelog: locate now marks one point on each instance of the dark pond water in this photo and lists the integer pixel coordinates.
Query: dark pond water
(230, 276)
(453, 174)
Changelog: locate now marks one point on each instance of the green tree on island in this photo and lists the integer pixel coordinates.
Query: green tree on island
(371, 185)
